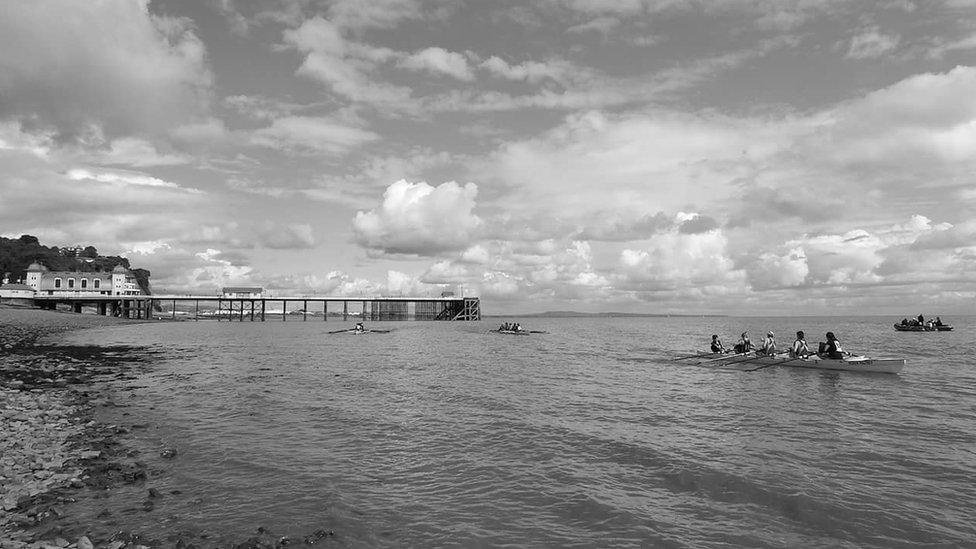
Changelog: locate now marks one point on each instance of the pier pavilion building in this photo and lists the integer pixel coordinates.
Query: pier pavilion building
(46, 282)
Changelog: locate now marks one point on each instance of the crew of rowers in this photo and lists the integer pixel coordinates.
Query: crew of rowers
(510, 327)
(830, 348)
(920, 321)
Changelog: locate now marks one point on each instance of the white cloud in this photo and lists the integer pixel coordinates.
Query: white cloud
(778, 271)
(138, 153)
(530, 71)
(673, 260)
(343, 65)
(602, 25)
(477, 254)
(871, 43)
(416, 218)
(110, 64)
(439, 61)
(311, 134)
(123, 178)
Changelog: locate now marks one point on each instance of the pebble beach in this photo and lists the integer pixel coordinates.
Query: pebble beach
(50, 443)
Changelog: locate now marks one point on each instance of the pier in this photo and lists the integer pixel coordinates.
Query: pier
(209, 307)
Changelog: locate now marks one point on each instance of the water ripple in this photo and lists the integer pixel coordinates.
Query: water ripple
(439, 435)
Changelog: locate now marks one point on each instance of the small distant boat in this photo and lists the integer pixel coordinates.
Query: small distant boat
(923, 328)
(358, 332)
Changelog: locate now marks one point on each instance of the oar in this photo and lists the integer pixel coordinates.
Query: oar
(737, 361)
(686, 357)
(726, 357)
(761, 366)
(341, 331)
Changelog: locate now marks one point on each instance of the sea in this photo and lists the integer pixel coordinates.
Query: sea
(591, 434)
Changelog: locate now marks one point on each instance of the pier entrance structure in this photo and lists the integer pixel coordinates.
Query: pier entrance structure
(270, 308)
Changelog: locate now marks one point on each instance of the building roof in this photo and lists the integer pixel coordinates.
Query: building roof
(120, 269)
(16, 287)
(35, 266)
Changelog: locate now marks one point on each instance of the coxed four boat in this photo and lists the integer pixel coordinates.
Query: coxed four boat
(851, 363)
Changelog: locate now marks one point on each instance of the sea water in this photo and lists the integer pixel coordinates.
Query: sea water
(443, 434)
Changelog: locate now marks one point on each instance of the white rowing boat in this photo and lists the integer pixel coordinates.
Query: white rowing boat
(848, 363)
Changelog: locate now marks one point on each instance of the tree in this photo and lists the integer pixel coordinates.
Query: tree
(89, 252)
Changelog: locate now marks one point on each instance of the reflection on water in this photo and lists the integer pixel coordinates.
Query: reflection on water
(440, 434)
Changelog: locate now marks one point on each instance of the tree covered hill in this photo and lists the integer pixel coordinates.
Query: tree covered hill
(16, 254)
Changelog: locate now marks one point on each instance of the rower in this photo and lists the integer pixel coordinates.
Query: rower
(360, 327)
(831, 347)
(799, 348)
(717, 346)
(768, 345)
(744, 345)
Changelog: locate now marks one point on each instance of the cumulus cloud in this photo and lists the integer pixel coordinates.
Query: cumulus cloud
(778, 271)
(673, 260)
(111, 64)
(697, 224)
(416, 218)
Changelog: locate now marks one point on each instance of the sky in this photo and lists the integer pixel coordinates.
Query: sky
(655, 156)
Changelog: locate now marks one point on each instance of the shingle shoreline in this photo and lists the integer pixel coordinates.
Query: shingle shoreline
(50, 445)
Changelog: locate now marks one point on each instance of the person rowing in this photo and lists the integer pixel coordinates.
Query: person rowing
(768, 347)
(799, 348)
(360, 328)
(717, 346)
(831, 348)
(744, 345)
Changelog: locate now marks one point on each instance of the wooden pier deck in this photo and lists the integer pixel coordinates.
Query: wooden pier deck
(210, 307)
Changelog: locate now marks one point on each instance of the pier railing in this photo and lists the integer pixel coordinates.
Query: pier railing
(263, 308)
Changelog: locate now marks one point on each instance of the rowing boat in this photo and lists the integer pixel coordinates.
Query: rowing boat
(511, 332)
(357, 332)
(922, 328)
(848, 363)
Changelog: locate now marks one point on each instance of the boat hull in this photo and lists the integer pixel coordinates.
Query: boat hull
(852, 364)
(918, 328)
(847, 364)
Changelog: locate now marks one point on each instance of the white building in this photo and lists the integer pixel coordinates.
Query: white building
(241, 292)
(16, 291)
(75, 283)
